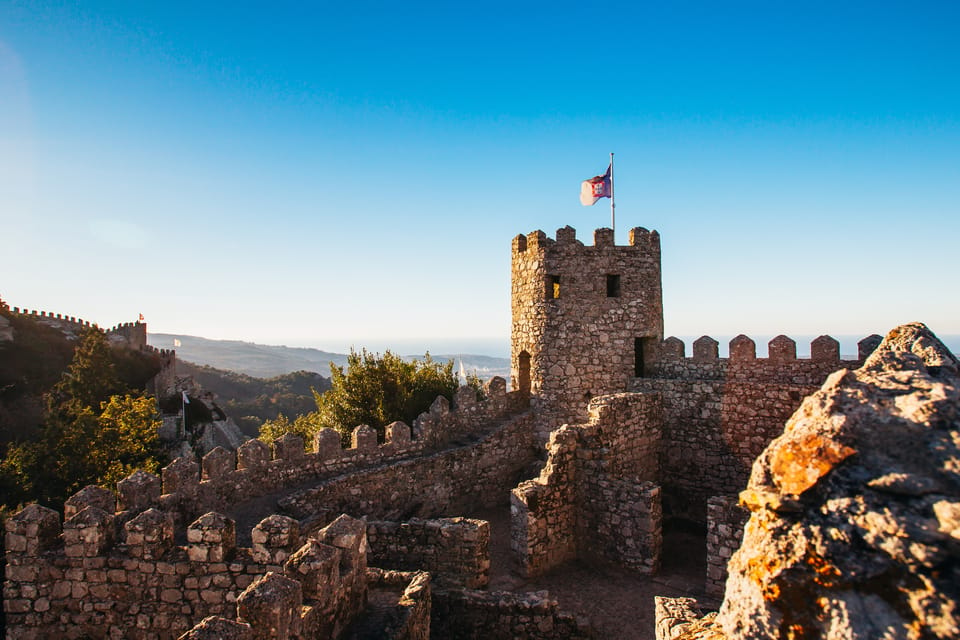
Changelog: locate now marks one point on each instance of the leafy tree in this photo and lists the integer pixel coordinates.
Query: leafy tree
(374, 390)
(90, 434)
(89, 380)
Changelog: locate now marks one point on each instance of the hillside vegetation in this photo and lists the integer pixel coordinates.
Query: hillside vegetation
(251, 401)
(35, 359)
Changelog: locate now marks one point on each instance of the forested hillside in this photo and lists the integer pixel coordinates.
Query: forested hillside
(250, 401)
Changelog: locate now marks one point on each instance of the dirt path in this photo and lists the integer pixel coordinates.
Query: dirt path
(618, 603)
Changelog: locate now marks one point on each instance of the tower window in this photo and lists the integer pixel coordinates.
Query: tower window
(613, 286)
(638, 357)
(553, 287)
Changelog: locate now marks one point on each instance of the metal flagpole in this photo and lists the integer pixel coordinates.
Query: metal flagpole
(613, 205)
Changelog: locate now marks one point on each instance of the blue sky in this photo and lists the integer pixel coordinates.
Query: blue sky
(353, 173)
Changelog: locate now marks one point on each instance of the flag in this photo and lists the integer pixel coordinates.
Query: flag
(186, 400)
(176, 342)
(595, 188)
(141, 317)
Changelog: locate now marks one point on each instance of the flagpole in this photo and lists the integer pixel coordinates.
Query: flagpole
(613, 205)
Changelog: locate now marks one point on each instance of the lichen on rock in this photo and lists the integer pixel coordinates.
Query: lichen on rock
(856, 507)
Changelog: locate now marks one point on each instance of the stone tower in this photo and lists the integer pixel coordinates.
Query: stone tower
(586, 319)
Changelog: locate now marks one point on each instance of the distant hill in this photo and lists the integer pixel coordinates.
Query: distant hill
(266, 361)
(249, 400)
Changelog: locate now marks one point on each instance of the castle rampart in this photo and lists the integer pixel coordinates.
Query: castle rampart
(95, 577)
(225, 479)
(720, 413)
(453, 481)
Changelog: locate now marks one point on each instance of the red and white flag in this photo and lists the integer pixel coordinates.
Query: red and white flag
(595, 188)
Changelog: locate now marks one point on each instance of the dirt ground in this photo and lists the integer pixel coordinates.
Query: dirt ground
(618, 603)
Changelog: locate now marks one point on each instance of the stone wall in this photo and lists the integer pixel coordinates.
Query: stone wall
(725, 520)
(456, 551)
(579, 313)
(225, 479)
(720, 413)
(478, 615)
(596, 496)
(105, 574)
(449, 483)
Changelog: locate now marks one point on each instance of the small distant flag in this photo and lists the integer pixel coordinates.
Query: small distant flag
(597, 187)
(176, 342)
(141, 317)
(186, 400)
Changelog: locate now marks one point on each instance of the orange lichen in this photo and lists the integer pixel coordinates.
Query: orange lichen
(797, 465)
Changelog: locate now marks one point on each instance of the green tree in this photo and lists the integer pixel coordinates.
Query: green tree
(90, 434)
(89, 380)
(374, 390)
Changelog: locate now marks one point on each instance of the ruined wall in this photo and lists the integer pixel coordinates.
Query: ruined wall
(720, 413)
(456, 551)
(579, 313)
(725, 520)
(106, 574)
(478, 615)
(596, 496)
(449, 483)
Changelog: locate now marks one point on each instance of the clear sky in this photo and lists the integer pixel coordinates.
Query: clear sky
(328, 174)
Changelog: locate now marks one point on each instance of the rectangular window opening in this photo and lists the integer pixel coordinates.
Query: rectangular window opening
(553, 287)
(613, 286)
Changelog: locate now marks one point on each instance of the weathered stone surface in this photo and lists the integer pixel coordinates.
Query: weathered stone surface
(217, 628)
(855, 507)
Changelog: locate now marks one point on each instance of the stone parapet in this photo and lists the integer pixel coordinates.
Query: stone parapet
(79, 576)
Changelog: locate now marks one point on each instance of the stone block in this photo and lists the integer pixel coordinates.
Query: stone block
(288, 447)
(274, 539)
(364, 439)
(181, 476)
(211, 538)
(88, 534)
(316, 567)
(271, 606)
(90, 496)
(138, 491)
(150, 535)
(253, 455)
(218, 463)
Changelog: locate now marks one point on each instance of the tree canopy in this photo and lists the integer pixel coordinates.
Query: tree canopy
(374, 390)
(95, 431)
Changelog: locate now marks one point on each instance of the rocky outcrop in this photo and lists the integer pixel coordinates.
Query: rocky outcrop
(855, 523)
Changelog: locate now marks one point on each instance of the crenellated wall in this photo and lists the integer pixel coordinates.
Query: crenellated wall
(225, 479)
(597, 496)
(115, 574)
(720, 413)
(454, 481)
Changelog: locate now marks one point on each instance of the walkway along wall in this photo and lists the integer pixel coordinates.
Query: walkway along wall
(597, 496)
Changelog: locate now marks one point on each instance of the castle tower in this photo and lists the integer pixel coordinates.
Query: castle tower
(586, 319)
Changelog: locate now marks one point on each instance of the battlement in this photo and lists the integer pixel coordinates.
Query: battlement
(225, 478)
(57, 318)
(63, 577)
(566, 237)
(782, 363)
